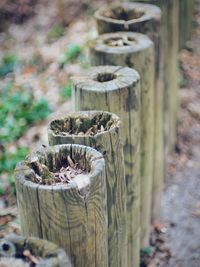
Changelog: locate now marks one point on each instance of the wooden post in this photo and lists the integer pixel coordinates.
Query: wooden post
(73, 215)
(170, 37)
(136, 51)
(13, 249)
(117, 89)
(143, 18)
(186, 21)
(101, 130)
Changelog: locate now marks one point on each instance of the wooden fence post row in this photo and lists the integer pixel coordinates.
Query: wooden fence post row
(117, 89)
(170, 37)
(143, 18)
(73, 214)
(97, 205)
(13, 249)
(101, 130)
(136, 51)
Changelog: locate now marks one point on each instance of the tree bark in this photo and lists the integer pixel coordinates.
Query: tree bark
(135, 51)
(143, 18)
(13, 246)
(101, 130)
(117, 89)
(72, 215)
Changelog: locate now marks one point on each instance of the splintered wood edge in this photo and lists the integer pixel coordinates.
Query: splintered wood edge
(124, 77)
(84, 114)
(150, 12)
(39, 247)
(140, 43)
(23, 172)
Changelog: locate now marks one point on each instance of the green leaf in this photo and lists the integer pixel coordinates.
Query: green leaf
(2, 192)
(66, 91)
(147, 250)
(71, 54)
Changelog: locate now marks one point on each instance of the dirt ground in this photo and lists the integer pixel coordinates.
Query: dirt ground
(180, 222)
(181, 201)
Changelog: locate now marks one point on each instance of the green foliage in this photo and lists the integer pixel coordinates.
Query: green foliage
(9, 160)
(56, 32)
(1, 190)
(147, 251)
(66, 91)
(72, 53)
(19, 110)
(9, 63)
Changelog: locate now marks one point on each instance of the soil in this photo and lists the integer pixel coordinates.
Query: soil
(181, 199)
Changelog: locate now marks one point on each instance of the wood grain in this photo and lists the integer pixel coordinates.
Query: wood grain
(117, 89)
(150, 24)
(138, 53)
(170, 37)
(72, 215)
(74, 129)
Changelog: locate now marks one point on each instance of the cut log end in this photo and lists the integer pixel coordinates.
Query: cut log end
(72, 215)
(84, 123)
(60, 165)
(117, 45)
(21, 251)
(122, 16)
(106, 78)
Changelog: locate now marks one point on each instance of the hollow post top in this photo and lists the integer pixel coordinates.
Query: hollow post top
(106, 78)
(52, 159)
(14, 246)
(121, 42)
(84, 124)
(128, 13)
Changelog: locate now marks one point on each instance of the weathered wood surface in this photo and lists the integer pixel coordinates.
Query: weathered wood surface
(144, 18)
(170, 37)
(170, 10)
(136, 51)
(101, 130)
(117, 89)
(51, 255)
(72, 215)
(186, 20)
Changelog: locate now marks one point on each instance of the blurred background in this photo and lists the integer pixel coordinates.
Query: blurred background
(42, 44)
